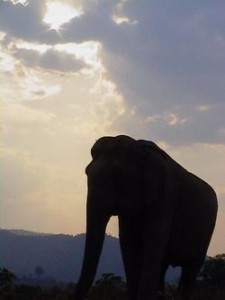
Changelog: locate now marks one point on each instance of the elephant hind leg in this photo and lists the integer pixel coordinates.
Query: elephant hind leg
(164, 292)
(162, 277)
(187, 280)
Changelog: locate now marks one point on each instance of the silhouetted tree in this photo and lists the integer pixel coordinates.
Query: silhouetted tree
(110, 279)
(108, 287)
(39, 271)
(214, 271)
(6, 277)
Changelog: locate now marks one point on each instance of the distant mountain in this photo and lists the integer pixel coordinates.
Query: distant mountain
(25, 232)
(59, 255)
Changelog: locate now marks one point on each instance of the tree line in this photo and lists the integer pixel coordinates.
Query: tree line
(210, 285)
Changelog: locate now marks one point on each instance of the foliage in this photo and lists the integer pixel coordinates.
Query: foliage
(109, 279)
(112, 287)
(204, 291)
(7, 287)
(6, 277)
(108, 287)
(29, 292)
(39, 271)
(213, 271)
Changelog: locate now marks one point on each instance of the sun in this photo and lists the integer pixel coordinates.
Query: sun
(58, 13)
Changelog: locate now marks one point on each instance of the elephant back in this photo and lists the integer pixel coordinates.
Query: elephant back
(158, 157)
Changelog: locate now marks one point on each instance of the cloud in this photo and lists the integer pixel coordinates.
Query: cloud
(15, 2)
(50, 60)
(165, 60)
(165, 47)
(15, 113)
(27, 82)
(25, 21)
(67, 57)
(58, 14)
(169, 63)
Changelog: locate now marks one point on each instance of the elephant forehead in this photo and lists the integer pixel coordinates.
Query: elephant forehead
(112, 146)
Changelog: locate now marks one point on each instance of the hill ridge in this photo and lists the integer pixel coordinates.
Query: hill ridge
(59, 255)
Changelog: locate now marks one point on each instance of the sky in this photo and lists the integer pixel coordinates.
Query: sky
(75, 70)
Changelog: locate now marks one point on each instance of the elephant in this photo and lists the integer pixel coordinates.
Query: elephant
(166, 216)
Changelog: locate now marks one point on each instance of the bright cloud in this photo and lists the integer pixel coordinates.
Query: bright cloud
(119, 20)
(41, 48)
(7, 62)
(87, 51)
(58, 14)
(33, 87)
(23, 2)
(61, 56)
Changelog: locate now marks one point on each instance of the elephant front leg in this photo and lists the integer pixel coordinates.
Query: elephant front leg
(132, 253)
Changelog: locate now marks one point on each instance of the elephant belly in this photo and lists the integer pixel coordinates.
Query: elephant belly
(182, 250)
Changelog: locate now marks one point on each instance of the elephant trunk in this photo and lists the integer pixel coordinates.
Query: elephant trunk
(96, 226)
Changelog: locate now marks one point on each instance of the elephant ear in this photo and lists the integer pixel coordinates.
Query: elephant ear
(157, 177)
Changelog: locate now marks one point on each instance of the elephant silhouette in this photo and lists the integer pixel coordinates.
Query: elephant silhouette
(166, 216)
